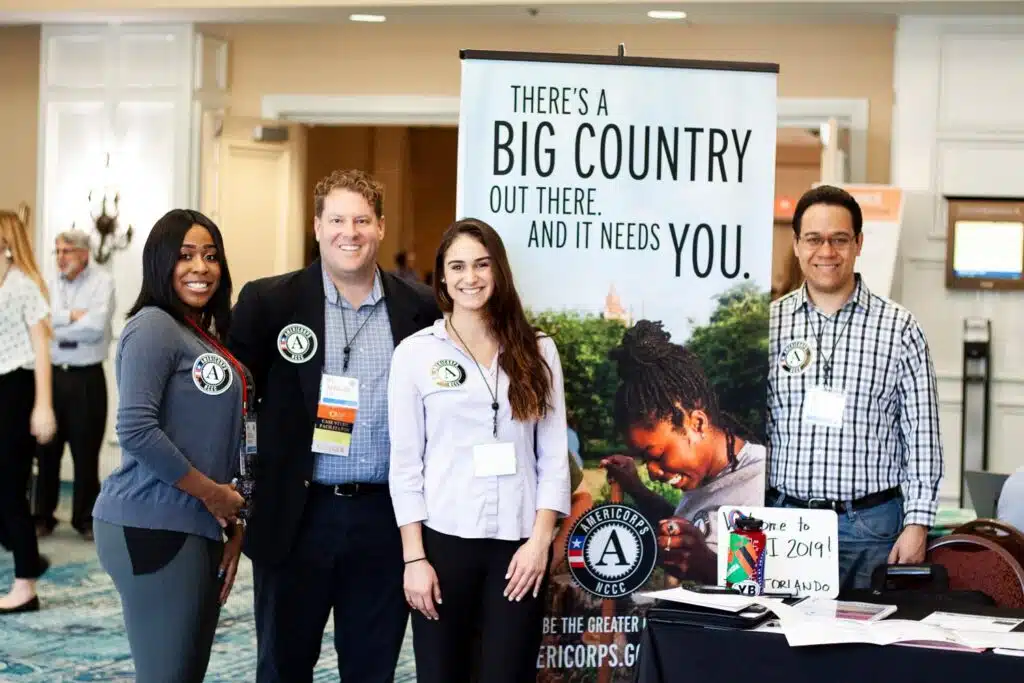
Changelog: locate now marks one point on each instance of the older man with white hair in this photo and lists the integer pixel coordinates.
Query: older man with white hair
(82, 305)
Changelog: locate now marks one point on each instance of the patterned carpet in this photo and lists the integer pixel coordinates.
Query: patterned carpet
(79, 636)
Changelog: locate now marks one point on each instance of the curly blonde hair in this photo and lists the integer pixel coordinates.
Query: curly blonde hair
(357, 181)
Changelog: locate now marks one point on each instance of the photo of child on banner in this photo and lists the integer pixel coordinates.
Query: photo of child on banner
(671, 416)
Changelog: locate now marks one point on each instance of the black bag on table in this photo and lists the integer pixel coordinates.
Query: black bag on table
(917, 589)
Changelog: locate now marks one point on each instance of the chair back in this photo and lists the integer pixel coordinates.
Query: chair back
(976, 563)
(1006, 535)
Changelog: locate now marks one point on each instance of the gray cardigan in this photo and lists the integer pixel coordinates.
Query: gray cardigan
(169, 418)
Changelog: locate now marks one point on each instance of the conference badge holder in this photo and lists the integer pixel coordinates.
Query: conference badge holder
(335, 415)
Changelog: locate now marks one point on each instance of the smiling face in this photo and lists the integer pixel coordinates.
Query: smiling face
(349, 233)
(468, 273)
(197, 273)
(682, 458)
(827, 248)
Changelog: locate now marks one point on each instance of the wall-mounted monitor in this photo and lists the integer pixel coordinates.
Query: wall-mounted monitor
(985, 243)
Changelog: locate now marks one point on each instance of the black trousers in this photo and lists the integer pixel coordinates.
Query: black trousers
(474, 615)
(17, 446)
(346, 557)
(80, 404)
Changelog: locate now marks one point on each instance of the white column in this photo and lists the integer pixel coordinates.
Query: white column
(123, 91)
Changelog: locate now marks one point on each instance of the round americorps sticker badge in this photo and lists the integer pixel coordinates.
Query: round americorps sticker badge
(211, 374)
(448, 374)
(611, 550)
(796, 357)
(297, 343)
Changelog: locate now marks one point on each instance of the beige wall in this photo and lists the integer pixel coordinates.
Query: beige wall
(19, 112)
(815, 61)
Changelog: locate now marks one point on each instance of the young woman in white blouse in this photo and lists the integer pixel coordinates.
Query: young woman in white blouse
(26, 405)
(479, 468)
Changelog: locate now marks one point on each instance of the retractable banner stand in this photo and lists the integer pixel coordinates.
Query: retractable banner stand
(635, 200)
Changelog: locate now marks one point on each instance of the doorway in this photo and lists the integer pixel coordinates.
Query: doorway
(798, 166)
(418, 166)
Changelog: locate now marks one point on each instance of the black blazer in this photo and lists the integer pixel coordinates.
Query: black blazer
(287, 393)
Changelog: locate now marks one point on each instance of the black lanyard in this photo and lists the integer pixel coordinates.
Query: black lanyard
(827, 362)
(344, 328)
(494, 393)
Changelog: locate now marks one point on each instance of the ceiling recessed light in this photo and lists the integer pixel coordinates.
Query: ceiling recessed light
(368, 18)
(666, 14)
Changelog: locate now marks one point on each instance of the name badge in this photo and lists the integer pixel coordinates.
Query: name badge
(824, 407)
(335, 414)
(250, 436)
(494, 459)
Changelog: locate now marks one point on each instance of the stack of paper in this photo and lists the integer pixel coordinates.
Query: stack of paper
(939, 630)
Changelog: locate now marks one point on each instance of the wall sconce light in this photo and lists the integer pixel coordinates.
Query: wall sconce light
(107, 226)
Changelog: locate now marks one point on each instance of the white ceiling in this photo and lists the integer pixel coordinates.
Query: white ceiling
(605, 13)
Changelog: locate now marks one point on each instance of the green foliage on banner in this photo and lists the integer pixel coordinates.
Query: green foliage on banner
(733, 348)
(584, 341)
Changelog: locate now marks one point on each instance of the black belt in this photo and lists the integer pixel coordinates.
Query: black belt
(64, 367)
(348, 490)
(868, 501)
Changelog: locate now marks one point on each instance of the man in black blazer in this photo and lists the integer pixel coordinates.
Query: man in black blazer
(322, 532)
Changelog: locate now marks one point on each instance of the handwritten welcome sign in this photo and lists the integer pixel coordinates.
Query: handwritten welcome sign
(801, 551)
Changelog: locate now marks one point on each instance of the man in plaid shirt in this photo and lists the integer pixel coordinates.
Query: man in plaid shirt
(853, 408)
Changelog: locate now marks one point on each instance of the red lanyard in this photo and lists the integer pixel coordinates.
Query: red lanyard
(239, 370)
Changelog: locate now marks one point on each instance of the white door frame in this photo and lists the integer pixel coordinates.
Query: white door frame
(434, 110)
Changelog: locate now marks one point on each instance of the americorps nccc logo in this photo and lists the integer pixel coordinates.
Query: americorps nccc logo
(611, 550)
(296, 343)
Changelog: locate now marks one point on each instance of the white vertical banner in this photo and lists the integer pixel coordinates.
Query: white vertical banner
(628, 190)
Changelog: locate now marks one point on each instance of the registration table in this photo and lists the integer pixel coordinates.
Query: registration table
(682, 653)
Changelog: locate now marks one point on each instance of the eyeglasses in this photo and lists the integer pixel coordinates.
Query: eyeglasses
(837, 242)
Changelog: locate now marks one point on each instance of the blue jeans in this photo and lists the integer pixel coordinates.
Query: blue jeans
(866, 538)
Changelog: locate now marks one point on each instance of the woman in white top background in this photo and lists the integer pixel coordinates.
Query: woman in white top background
(479, 468)
(26, 404)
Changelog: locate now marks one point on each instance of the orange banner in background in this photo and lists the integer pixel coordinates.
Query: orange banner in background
(784, 207)
(877, 202)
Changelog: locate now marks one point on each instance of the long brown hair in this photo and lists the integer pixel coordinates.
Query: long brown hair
(14, 232)
(521, 359)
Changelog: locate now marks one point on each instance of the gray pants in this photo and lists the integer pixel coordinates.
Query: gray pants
(170, 613)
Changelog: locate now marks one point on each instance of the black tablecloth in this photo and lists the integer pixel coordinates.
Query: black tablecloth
(675, 653)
